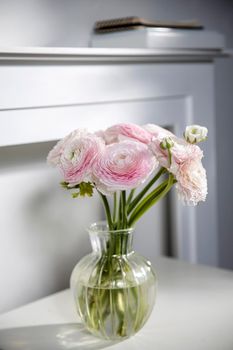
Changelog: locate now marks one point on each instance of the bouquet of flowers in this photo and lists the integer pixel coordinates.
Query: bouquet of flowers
(116, 161)
(114, 287)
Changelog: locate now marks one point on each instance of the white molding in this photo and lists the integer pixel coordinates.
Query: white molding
(108, 54)
(43, 125)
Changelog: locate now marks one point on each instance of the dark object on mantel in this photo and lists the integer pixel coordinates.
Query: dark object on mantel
(128, 23)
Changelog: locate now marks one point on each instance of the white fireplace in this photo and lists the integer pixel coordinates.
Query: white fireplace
(44, 94)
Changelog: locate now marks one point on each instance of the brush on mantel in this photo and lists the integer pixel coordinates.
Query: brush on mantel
(128, 23)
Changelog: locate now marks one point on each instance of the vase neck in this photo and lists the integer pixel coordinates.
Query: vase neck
(112, 243)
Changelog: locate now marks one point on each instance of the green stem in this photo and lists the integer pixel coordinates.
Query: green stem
(123, 208)
(114, 207)
(119, 213)
(170, 156)
(145, 189)
(107, 210)
(130, 196)
(151, 199)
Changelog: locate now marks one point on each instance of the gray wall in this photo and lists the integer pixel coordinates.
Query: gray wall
(69, 23)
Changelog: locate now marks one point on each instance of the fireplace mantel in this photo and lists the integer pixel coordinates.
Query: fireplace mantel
(47, 92)
(99, 55)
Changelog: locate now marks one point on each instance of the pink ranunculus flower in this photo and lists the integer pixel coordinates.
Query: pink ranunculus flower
(120, 132)
(158, 135)
(75, 156)
(122, 166)
(101, 134)
(192, 182)
(189, 172)
(186, 166)
(54, 155)
(183, 152)
(158, 131)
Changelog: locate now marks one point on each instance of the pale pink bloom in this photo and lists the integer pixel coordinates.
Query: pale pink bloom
(75, 156)
(158, 135)
(122, 166)
(101, 134)
(189, 172)
(54, 155)
(183, 152)
(160, 153)
(120, 132)
(192, 182)
(186, 166)
(158, 131)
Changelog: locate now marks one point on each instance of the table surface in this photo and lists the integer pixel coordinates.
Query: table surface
(194, 310)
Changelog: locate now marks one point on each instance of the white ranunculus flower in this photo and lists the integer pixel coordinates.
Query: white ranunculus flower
(195, 133)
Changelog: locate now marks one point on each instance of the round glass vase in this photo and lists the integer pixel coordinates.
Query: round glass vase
(114, 287)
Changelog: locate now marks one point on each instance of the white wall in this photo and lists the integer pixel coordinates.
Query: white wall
(69, 23)
(40, 226)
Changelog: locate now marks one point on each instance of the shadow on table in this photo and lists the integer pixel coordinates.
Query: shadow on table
(61, 336)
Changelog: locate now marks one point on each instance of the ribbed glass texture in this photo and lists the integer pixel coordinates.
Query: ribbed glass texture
(114, 287)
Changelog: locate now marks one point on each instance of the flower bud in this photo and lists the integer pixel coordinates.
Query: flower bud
(166, 143)
(195, 133)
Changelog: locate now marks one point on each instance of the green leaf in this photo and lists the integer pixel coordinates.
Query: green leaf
(86, 189)
(83, 189)
(64, 184)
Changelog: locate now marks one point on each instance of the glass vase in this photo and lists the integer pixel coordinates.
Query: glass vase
(114, 287)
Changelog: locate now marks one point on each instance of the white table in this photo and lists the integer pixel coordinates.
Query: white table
(194, 310)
